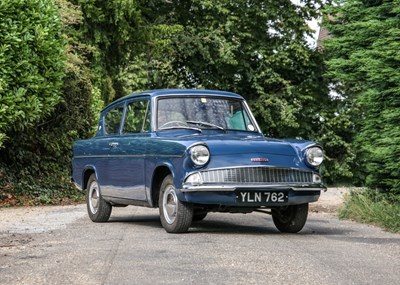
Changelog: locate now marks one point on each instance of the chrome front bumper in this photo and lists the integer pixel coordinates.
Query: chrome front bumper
(264, 187)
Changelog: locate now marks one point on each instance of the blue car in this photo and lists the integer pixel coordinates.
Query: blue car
(191, 152)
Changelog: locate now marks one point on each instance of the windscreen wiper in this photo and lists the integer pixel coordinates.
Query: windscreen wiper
(180, 127)
(207, 124)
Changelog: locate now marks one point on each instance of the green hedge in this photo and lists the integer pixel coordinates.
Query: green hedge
(31, 63)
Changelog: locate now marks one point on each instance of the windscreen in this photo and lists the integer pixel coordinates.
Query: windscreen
(204, 113)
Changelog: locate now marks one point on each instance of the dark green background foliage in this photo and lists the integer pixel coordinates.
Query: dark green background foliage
(113, 28)
(61, 60)
(364, 62)
(256, 49)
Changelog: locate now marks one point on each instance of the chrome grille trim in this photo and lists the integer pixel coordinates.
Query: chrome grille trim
(256, 175)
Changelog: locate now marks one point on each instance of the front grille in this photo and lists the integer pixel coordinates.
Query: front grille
(256, 175)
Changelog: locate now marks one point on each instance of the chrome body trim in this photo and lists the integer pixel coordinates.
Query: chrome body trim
(77, 186)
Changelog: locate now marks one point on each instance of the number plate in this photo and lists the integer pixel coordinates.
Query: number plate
(261, 197)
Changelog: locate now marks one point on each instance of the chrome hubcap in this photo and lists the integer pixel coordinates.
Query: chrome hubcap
(170, 204)
(94, 197)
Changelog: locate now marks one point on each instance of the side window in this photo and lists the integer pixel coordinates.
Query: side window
(113, 120)
(237, 118)
(137, 117)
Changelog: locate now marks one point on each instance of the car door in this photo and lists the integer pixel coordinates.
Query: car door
(106, 146)
(127, 153)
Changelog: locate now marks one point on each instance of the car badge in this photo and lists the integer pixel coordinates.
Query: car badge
(259, 159)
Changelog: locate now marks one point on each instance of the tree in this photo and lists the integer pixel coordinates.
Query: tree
(115, 28)
(130, 49)
(255, 48)
(364, 64)
(259, 50)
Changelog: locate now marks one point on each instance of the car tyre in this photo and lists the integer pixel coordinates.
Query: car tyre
(98, 209)
(290, 219)
(199, 215)
(176, 216)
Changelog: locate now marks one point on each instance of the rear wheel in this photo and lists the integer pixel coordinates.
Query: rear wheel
(290, 219)
(98, 209)
(176, 216)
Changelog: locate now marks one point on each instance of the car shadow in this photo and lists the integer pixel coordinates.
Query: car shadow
(144, 220)
(214, 225)
(225, 227)
(207, 226)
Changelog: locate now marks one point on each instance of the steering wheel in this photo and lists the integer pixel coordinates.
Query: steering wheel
(174, 123)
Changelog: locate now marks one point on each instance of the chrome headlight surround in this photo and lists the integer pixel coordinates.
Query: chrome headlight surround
(199, 154)
(314, 156)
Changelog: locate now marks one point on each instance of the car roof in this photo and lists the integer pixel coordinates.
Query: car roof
(173, 92)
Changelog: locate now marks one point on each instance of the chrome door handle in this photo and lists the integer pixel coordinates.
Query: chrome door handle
(113, 144)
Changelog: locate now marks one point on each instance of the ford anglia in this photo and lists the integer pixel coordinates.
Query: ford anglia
(191, 152)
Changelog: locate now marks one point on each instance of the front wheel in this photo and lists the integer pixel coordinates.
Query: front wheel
(176, 216)
(98, 209)
(199, 215)
(290, 219)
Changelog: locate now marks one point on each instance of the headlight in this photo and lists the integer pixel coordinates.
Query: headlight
(199, 154)
(315, 156)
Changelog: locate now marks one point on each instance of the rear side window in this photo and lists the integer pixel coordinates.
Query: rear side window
(113, 120)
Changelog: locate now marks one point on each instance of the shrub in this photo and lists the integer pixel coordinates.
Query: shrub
(31, 63)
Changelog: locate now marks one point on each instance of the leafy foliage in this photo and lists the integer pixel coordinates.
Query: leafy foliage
(258, 50)
(255, 48)
(31, 63)
(129, 48)
(364, 62)
(335, 131)
(29, 191)
(36, 161)
(52, 92)
(115, 28)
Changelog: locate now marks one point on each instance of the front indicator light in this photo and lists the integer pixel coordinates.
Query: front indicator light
(316, 178)
(194, 179)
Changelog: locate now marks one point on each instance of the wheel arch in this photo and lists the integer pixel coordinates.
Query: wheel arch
(159, 174)
(87, 172)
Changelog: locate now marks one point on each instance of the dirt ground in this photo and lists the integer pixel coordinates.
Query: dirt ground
(331, 200)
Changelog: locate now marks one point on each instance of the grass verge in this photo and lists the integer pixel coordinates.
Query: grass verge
(372, 207)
